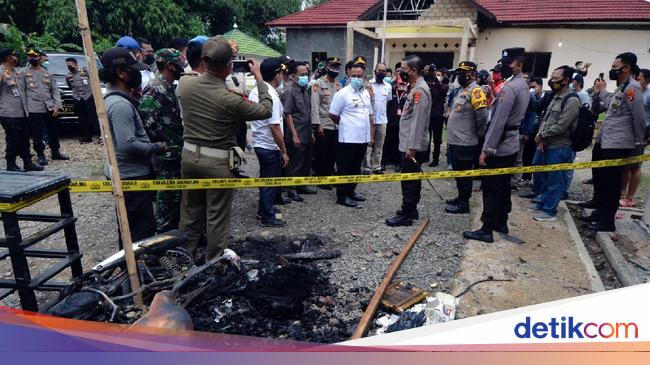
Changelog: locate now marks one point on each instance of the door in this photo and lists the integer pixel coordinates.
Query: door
(440, 59)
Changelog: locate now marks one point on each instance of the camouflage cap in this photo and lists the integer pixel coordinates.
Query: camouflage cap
(170, 55)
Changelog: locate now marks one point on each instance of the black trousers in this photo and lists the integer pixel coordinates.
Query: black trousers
(299, 159)
(17, 133)
(436, 125)
(527, 156)
(496, 193)
(391, 154)
(607, 183)
(462, 158)
(38, 122)
(412, 189)
(349, 157)
(325, 151)
(87, 114)
(139, 210)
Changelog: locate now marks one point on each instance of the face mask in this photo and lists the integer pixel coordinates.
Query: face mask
(135, 79)
(34, 61)
(439, 78)
(177, 72)
(555, 85)
(149, 59)
(379, 76)
(303, 80)
(356, 83)
(72, 68)
(404, 75)
(388, 80)
(572, 87)
(614, 73)
(46, 64)
(506, 71)
(333, 74)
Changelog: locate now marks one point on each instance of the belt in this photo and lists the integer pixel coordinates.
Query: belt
(206, 151)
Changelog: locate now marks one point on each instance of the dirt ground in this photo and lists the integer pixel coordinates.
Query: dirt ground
(440, 259)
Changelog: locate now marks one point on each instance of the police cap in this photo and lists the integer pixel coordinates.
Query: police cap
(510, 54)
(334, 61)
(467, 66)
(121, 57)
(217, 49)
(271, 65)
(4, 53)
(360, 61)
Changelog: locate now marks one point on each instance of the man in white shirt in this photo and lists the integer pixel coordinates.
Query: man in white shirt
(268, 141)
(382, 93)
(351, 110)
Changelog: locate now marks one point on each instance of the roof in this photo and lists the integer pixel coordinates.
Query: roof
(249, 45)
(331, 13)
(529, 11)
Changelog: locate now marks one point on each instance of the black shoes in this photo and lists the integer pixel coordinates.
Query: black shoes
(282, 200)
(479, 235)
(503, 229)
(41, 160)
(357, 197)
(347, 202)
(413, 215)
(306, 190)
(86, 140)
(57, 155)
(276, 223)
(11, 166)
(294, 196)
(457, 209)
(453, 201)
(528, 195)
(399, 220)
(30, 166)
(589, 204)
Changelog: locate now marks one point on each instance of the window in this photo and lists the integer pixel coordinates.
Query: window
(316, 58)
(537, 63)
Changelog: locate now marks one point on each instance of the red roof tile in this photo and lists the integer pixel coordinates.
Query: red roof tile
(527, 11)
(333, 12)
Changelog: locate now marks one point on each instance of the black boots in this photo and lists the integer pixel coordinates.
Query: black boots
(30, 166)
(57, 155)
(482, 234)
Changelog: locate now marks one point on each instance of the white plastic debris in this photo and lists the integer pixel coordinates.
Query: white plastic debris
(253, 275)
(441, 308)
(231, 256)
(385, 321)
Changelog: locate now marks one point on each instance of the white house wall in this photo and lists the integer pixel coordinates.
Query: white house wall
(596, 46)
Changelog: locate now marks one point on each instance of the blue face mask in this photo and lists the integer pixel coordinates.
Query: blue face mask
(356, 83)
(388, 80)
(303, 80)
(46, 64)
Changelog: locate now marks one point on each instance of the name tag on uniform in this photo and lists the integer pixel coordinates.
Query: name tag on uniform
(85, 81)
(15, 91)
(399, 112)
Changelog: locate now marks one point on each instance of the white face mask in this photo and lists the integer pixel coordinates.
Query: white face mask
(439, 78)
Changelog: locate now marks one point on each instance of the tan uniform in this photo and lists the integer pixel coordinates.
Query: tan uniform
(212, 115)
(322, 93)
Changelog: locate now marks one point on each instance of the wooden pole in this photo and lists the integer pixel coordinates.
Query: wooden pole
(362, 328)
(109, 150)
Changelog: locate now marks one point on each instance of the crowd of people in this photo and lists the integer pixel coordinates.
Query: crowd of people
(182, 112)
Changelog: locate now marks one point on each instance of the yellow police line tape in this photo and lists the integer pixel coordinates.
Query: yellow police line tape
(104, 186)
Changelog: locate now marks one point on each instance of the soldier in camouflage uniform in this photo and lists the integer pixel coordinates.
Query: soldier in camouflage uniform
(160, 112)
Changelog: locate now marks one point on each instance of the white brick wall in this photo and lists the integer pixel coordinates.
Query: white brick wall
(450, 9)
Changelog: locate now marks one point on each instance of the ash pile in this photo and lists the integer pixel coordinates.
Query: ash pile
(272, 287)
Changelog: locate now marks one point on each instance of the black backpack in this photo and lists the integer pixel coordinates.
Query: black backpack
(583, 134)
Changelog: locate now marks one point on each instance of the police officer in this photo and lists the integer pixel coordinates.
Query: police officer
(212, 115)
(502, 145)
(466, 125)
(327, 134)
(622, 131)
(162, 120)
(43, 105)
(13, 113)
(84, 103)
(413, 138)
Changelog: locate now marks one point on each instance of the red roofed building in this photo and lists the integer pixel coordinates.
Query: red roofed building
(445, 32)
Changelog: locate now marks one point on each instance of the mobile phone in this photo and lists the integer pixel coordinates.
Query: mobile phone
(241, 66)
(601, 76)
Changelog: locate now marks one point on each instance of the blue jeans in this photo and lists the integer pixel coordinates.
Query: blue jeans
(538, 177)
(554, 181)
(270, 166)
(568, 174)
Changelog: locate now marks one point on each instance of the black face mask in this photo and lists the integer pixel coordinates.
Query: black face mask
(506, 71)
(149, 59)
(34, 61)
(333, 74)
(555, 85)
(177, 72)
(379, 76)
(135, 79)
(462, 79)
(614, 73)
(404, 75)
(72, 68)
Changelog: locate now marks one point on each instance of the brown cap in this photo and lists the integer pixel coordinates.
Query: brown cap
(217, 49)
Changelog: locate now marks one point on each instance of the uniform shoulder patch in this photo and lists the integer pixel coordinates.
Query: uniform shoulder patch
(478, 98)
(416, 97)
(314, 88)
(630, 95)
